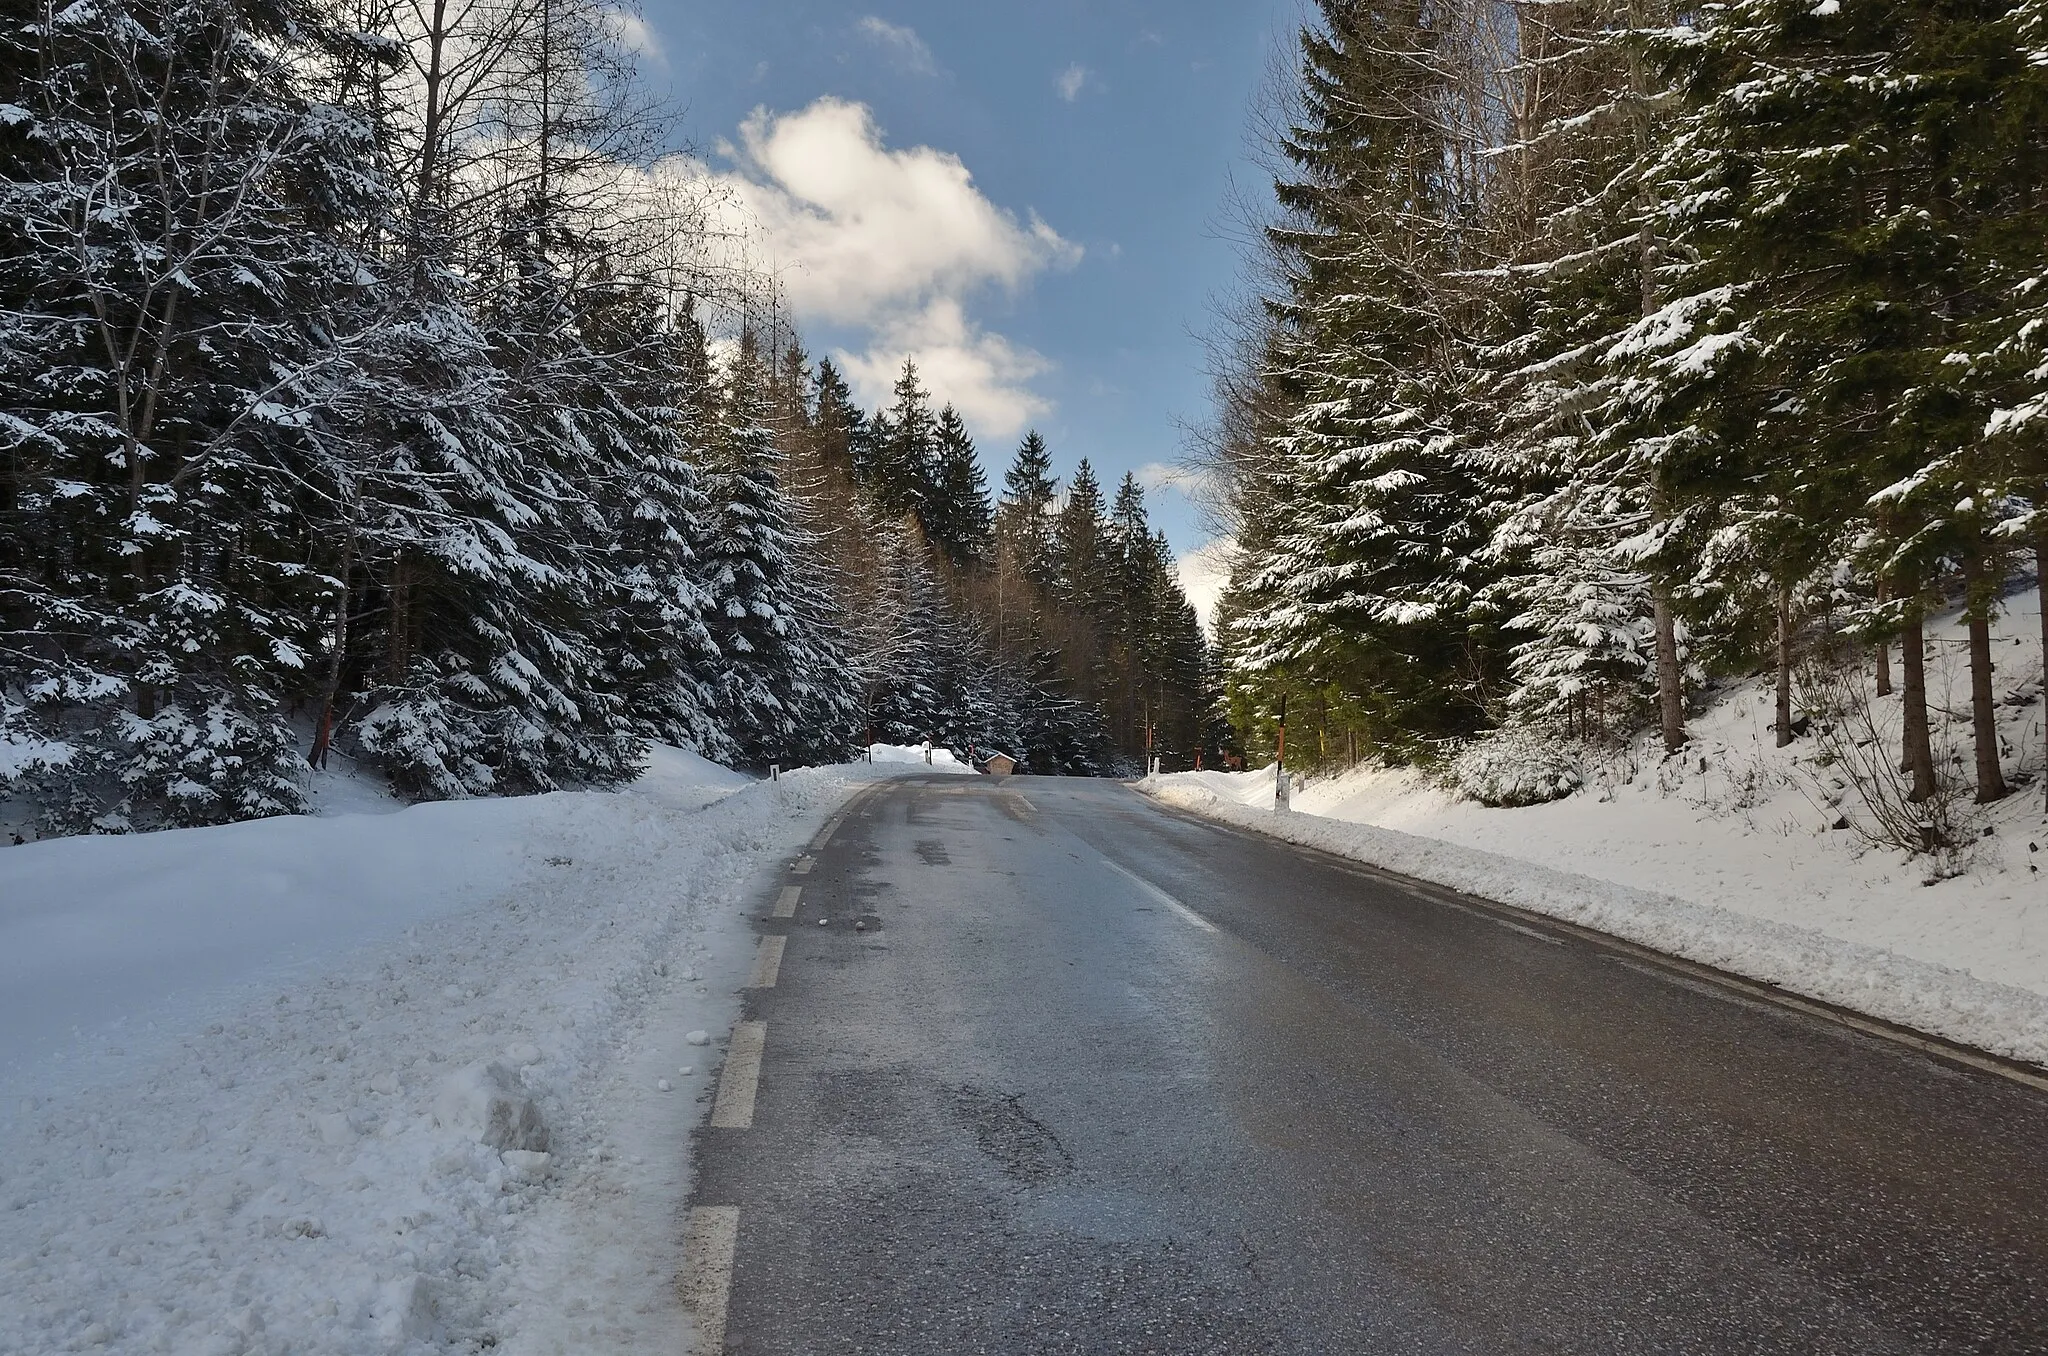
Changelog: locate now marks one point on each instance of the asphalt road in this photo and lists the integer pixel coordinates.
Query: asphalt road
(1093, 1076)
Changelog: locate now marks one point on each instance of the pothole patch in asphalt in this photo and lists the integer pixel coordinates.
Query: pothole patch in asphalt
(1024, 1147)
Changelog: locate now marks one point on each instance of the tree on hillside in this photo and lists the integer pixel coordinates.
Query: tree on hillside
(958, 518)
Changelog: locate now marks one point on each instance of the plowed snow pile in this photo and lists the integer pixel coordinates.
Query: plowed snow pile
(374, 1083)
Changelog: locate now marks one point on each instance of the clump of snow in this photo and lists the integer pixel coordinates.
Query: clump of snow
(372, 1083)
(488, 1102)
(1732, 854)
(1515, 768)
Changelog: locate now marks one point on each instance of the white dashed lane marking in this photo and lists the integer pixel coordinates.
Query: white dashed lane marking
(803, 866)
(785, 907)
(767, 962)
(824, 837)
(734, 1109)
(706, 1281)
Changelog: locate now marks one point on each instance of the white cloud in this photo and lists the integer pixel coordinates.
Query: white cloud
(1158, 475)
(636, 36)
(896, 243)
(1071, 81)
(1204, 573)
(982, 373)
(910, 51)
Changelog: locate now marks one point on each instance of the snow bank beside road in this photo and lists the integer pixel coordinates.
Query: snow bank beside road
(1734, 854)
(374, 1084)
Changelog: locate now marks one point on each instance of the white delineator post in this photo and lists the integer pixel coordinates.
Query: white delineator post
(1281, 790)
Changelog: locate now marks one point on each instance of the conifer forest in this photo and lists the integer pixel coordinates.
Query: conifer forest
(1601, 352)
(367, 386)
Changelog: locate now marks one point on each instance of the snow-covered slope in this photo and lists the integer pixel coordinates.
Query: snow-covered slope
(1727, 855)
(242, 1070)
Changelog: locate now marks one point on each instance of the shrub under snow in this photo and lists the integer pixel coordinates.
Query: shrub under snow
(1516, 767)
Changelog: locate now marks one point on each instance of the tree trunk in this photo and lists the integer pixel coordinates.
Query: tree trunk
(1784, 664)
(1884, 653)
(1983, 698)
(2041, 601)
(330, 686)
(1649, 258)
(1670, 680)
(399, 649)
(1919, 743)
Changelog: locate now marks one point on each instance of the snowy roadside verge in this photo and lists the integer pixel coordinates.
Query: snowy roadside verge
(300, 1073)
(1936, 999)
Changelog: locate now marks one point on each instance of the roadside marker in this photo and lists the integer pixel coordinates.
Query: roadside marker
(1164, 898)
(706, 1282)
(767, 962)
(785, 907)
(734, 1109)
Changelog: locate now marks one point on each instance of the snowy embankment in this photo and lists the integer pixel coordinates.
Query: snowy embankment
(1728, 855)
(375, 1082)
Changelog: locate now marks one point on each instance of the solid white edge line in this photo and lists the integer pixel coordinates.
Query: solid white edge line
(1529, 932)
(1671, 965)
(785, 907)
(767, 962)
(706, 1282)
(734, 1109)
(1164, 898)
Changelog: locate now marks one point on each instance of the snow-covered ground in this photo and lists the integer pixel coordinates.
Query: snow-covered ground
(941, 760)
(284, 1086)
(1727, 855)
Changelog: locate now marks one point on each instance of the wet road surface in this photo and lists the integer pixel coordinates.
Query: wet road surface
(1094, 1076)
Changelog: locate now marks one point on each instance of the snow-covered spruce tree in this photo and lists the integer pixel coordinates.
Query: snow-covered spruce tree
(959, 518)
(498, 600)
(1024, 519)
(902, 450)
(1816, 172)
(660, 647)
(1369, 574)
(1078, 543)
(782, 685)
(2011, 360)
(901, 638)
(1594, 382)
(1018, 592)
(176, 298)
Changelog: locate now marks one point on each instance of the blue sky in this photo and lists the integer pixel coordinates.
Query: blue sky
(1059, 271)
